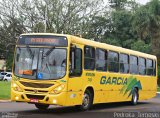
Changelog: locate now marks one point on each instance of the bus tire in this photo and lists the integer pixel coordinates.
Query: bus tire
(87, 101)
(135, 95)
(42, 106)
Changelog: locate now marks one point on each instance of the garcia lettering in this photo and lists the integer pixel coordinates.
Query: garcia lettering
(113, 80)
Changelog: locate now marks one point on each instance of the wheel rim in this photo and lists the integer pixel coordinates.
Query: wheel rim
(85, 100)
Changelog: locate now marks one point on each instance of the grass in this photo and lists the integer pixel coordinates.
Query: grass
(5, 90)
(158, 89)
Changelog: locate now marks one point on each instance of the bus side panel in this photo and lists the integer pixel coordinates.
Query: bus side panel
(109, 90)
(110, 84)
(149, 87)
(74, 98)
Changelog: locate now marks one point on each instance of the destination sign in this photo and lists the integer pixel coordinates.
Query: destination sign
(43, 40)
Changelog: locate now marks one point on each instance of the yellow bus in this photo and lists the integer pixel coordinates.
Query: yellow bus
(65, 70)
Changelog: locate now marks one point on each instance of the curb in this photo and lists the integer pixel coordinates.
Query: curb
(3, 101)
(158, 92)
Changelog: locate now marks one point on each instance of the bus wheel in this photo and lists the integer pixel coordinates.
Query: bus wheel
(42, 106)
(87, 101)
(134, 97)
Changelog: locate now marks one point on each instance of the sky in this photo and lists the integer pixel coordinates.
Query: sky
(142, 1)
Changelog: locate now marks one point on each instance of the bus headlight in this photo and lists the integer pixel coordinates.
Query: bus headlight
(16, 87)
(58, 89)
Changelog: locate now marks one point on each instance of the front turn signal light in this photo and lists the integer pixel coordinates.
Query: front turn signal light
(16, 87)
(58, 89)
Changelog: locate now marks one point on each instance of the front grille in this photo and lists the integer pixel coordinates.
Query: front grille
(39, 97)
(38, 91)
(36, 85)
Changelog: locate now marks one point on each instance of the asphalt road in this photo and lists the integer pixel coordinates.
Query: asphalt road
(144, 109)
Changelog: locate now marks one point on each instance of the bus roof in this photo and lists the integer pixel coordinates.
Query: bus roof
(46, 34)
(75, 39)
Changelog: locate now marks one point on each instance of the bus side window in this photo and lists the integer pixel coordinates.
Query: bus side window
(124, 63)
(113, 61)
(142, 66)
(133, 64)
(149, 67)
(75, 66)
(89, 58)
(101, 60)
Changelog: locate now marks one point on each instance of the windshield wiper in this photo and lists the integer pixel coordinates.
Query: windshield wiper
(30, 51)
(49, 52)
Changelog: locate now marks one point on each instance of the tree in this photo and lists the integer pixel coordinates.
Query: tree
(118, 4)
(96, 28)
(111, 41)
(67, 16)
(147, 24)
(140, 45)
(121, 28)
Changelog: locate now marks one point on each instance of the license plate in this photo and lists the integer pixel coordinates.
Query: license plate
(34, 100)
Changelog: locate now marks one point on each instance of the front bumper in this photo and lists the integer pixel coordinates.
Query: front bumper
(54, 99)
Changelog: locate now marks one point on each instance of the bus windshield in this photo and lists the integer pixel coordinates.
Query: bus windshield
(40, 63)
